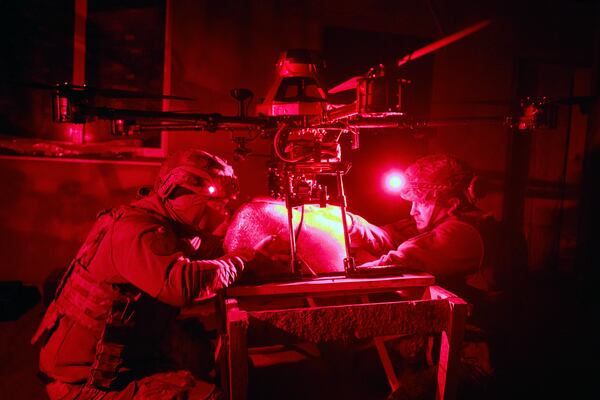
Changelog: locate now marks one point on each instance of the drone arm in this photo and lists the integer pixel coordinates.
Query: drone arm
(198, 120)
(347, 85)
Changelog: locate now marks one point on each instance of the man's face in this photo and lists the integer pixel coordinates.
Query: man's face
(427, 212)
(215, 217)
(200, 212)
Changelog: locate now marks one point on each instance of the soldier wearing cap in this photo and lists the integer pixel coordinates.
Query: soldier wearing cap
(141, 262)
(447, 235)
(468, 251)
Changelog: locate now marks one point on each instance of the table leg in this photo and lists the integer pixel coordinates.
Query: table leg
(237, 351)
(450, 349)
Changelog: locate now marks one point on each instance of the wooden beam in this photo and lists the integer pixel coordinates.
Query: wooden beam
(386, 362)
(333, 285)
(347, 323)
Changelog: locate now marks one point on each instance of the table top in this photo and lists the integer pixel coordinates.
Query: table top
(333, 284)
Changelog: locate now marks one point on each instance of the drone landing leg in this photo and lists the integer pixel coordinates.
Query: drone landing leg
(349, 263)
(294, 265)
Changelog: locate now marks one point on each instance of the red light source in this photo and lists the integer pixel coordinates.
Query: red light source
(212, 189)
(393, 182)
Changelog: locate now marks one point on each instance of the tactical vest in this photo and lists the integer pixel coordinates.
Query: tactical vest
(107, 310)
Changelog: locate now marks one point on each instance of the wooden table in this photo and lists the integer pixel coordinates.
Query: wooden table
(279, 311)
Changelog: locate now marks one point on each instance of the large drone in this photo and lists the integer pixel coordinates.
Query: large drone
(305, 130)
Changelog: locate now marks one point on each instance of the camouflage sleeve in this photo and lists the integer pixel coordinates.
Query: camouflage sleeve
(187, 279)
(453, 247)
(401, 230)
(367, 236)
(147, 255)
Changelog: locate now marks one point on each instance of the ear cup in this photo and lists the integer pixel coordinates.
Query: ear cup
(166, 186)
(177, 177)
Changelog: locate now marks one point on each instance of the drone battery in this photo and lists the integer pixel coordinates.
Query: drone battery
(380, 95)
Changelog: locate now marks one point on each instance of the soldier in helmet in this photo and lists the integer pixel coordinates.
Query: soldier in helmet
(141, 262)
(447, 234)
(468, 251)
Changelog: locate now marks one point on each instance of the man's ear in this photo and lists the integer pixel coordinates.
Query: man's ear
(453, 203)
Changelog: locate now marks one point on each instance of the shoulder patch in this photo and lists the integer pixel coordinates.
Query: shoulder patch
(162, 241)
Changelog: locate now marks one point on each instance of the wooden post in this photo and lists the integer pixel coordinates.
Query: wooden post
(167, 68)
(386, 362)
(77, 131)
(384, 356)
(79, 43)
(237, 354)
(450, 349)
(222, 350)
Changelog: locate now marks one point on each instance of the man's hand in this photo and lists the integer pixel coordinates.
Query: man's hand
(273, 248)
(248, 254)
(374, 263)
(270, 247)
(268, 257)
(227, 273)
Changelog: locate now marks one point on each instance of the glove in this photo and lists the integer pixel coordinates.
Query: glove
(232, 264)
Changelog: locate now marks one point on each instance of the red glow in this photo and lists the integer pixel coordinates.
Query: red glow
(393, 182)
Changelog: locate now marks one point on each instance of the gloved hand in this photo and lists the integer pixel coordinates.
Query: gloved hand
(274, 248)
(269, 258)
(232, 264)
(374, 263)
(263, 247)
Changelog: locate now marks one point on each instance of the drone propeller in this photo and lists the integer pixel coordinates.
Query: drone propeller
(347, 85)
(438, 44)
(67, 88)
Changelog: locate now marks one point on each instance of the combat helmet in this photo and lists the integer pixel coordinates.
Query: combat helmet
(440, 176)
(198, 172)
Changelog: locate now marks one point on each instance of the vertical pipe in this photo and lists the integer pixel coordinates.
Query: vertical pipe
(77, 131)
(563, 182)
(587, 249)
(518, 155)
(167, 68)
(79, 42)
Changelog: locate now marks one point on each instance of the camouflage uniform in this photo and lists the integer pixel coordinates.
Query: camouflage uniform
(468, 251)
(104, 331)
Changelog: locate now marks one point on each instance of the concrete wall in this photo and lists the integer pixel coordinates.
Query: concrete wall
(48, 205)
